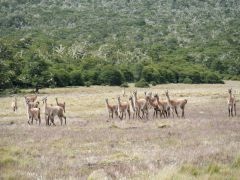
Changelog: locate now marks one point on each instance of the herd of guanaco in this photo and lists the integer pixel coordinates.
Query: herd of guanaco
(139, 107)
(165, 108)
(34, 113)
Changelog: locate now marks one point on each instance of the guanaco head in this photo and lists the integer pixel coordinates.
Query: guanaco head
(150, 94)
(37, 103)
(106, 100)
(230, 91)
(118, 98)
(44, 100)
(135, 93)
(27, 100)
(167, 93)
(147, 98)
(130, 98)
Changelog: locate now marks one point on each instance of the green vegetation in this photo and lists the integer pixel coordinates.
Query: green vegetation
(141, 84)
(67, 43)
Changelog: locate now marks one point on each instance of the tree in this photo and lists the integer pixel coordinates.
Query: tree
(150, 74)
(76, 78)
(36, 73)
(127, 74)
(61, 77)
(111, 76)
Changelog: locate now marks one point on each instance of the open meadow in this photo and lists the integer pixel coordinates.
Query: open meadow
(203, 145)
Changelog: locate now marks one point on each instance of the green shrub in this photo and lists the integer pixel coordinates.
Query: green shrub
(125, 84)
(212, 78)
(189, 169)
(76, 78)
(127, 74)
(153, 83)
(142, 84)
(61, 78)
(88, 83)
(236, 163)
(213, 168)
(187, 80)
(111, 76)
(92, 76)
(235, 78)
(150, 74)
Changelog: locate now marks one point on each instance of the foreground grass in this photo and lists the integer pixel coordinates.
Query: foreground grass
(187, 171)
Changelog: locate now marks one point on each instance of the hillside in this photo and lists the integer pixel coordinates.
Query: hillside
(58, 42)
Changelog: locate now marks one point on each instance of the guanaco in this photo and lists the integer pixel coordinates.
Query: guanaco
(231, 101)
(112, 109)
(156, 108)
(141, 105)
(174, 104)
(52, 111)
(133, 107)
(14, 104)
(33, 113)
(163, 106)
(63, 105)
(123, 109)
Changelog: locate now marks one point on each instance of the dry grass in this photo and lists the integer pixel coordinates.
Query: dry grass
(204, 145)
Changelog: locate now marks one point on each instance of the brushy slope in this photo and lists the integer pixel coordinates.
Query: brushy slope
(167, 34)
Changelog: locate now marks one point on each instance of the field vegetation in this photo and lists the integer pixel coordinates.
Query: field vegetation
(204, 145)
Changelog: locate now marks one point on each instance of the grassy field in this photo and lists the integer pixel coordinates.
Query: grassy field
(204, 145)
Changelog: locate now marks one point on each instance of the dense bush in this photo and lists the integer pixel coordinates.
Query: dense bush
(111, 76)
(125, 84)
(61, 78)
(141, 84)
(187, 80)
(127, 74)
(150, 74)
(76, 78)
(88, 83)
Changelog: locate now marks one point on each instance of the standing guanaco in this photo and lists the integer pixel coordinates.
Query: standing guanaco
(231, 101)
(14, 104)
(112, 109)
(63, 105)
(123, 109)
(174, 104)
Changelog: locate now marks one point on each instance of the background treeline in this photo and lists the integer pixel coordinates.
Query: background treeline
(68, 43)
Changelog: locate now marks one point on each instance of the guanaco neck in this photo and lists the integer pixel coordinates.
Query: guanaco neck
(46, 106)
(135, 100)
(157, 98)
(168, 98)
(151, 101)
(107, 104)
(119, 102)
(132, 103)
